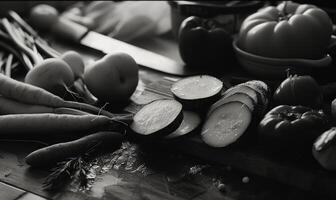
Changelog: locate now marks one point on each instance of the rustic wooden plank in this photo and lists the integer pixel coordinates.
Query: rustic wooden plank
(303, 174)
(9, 192)
(14, 171)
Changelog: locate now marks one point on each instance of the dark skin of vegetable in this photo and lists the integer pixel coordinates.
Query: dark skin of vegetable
(203, 43)
(292, 127)
(299, 90)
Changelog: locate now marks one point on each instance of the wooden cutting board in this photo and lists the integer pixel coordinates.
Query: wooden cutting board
(303, 173)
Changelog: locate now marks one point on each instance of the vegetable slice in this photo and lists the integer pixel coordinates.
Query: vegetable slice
(239, 96)
(261, 88)
(226, 124)
(190, 122)
(243, 89)
(197, 91)
(159, 117)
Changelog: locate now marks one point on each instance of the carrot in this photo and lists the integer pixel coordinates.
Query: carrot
(9, 106)
(95, 143)
(70, 111)
(23, 125)
(30, 94)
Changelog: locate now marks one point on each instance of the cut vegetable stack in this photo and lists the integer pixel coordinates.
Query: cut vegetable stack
(164, 118)
(230, 117)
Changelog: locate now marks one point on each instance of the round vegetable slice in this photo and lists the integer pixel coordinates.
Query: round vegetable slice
(261, 88)
(190, 122)
(197, 91)
(226, 124)
(243, 89)
(159, 117)
(239, 96)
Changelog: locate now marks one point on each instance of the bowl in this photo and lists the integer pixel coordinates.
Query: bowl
(266, 67)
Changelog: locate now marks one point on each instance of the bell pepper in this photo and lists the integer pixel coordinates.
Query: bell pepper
(204, 43)
(292, 127)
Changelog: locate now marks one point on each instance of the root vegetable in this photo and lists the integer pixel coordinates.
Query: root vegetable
(113, 78)
(97, 142)
(23, 125)
(159, 117)
(226, 124)
(8, 106)
(75, 62)
(53, 75)
(30, 94)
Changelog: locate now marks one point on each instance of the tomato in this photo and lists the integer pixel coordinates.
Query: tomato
(299, 90)
(205, 43)
(292, 127)
(290, 30)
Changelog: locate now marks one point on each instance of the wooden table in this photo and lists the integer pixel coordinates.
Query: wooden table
(142, 171)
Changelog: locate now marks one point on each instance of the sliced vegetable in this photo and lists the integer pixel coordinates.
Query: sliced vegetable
(191, 121)
(324, 149)
(197, 91)
(226, 124)
(95, 143)
(159, 117)
(262, 88)
(243, 89)
(238, 96)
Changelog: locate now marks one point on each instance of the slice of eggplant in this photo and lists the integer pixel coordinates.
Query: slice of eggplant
(158, 118)
(226, 124)
(261, 88)
(197, 92)
(191, 121)
(238, 96)
(243, 89)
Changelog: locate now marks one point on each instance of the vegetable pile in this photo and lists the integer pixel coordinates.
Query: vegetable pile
(54, 97)
(61, 97)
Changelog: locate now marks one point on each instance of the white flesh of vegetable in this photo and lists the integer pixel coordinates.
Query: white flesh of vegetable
(226, 124)
(240, 97)
(156, 116)
(190, 122)
(197, 87)
(243, 89)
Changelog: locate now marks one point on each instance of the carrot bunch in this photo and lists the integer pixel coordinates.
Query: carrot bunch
(29, 109)
(36, 109)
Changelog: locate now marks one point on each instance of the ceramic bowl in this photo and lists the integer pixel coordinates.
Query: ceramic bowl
(266, 67)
